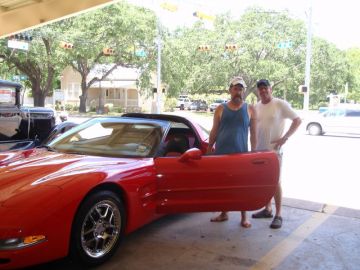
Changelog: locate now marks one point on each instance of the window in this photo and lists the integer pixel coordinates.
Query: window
(335, 113)
(74, 90)
(353, 113)
(7, 96)
(100, 137)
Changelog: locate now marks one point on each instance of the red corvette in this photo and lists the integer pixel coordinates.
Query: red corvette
(101, 180)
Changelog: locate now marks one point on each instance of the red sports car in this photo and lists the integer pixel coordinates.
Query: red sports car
(101, 180)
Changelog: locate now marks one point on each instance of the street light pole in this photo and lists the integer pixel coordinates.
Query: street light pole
(308, 61)
(172, 8)
(158, 70)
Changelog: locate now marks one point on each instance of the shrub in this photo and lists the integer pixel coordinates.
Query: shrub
(322, 104)
(108, 107)
(69, 107)
(170, 104)
(118, 109)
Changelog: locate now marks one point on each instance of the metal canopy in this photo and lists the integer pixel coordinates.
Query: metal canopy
(19, 15)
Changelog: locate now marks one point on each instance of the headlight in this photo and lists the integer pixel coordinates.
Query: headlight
(18, 243)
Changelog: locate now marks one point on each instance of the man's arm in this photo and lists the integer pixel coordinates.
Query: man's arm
(215, 127)
(293, 127)
(253, 127)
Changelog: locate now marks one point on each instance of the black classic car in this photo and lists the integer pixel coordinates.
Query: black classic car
(24, 127)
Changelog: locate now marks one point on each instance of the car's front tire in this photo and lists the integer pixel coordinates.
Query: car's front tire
(98, 228)
(314, 129)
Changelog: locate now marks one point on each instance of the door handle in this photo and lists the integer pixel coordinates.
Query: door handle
(259, 161)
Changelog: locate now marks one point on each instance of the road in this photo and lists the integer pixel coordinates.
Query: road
(321, 169)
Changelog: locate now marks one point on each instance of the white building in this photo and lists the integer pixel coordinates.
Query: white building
(118, 88)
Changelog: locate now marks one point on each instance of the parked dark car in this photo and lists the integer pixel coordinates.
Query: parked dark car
(216, 103)
(198, 105)
(24, 127)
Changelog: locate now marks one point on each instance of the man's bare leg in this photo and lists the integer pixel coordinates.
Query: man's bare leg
(278, 201)
(266, 212)
(268, 206)
(244, 221)
(277, 221)
(222, 217)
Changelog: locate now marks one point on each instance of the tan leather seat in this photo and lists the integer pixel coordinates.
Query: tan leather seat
(177, 145)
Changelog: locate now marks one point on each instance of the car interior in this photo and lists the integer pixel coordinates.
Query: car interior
(177, 145)
(179, 139)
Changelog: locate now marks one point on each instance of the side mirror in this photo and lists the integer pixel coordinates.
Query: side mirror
(191, 154)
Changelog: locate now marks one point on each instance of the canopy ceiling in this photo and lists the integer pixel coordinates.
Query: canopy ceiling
(19, 15)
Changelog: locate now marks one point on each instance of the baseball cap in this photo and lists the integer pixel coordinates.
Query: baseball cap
(262, 82)
(237, 80)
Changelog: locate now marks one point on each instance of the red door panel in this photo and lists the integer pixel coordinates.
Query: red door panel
(217, 182)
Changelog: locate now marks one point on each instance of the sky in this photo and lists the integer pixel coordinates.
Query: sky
(336, 21)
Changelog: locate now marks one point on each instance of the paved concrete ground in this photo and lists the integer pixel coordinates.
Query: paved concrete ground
(314, 236)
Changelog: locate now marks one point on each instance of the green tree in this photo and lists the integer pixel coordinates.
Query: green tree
(257, 35)
(353, 59)
(121, 27)
(40, 63)
(260, 36)
(329, 71)
(5, 72)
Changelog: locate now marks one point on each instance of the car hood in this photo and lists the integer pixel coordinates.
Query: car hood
(39, 171)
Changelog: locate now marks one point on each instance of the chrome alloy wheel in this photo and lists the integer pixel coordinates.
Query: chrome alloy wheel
(101, 229)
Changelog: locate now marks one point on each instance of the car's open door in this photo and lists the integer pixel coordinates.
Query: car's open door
(201, 183)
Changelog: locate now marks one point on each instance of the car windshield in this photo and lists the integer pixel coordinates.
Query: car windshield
(334, 113)
(7, 96)
(205, 130)
(219, 101)
(100, 137)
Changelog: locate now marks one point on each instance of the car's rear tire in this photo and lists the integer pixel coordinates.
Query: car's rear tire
(314, 129)
(98, 228)
(182, 107)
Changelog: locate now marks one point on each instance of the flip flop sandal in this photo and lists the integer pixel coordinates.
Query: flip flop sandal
(219, 219)
(245, 224)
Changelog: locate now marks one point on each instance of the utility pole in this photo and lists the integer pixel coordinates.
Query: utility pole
(308, 60)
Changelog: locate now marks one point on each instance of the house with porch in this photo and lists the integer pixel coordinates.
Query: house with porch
(119, 88)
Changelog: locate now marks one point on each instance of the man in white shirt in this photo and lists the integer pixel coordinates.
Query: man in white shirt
(271, 117)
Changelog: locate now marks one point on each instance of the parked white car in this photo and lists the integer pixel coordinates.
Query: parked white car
(216, 103)
(335, 120)
(183, 103)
